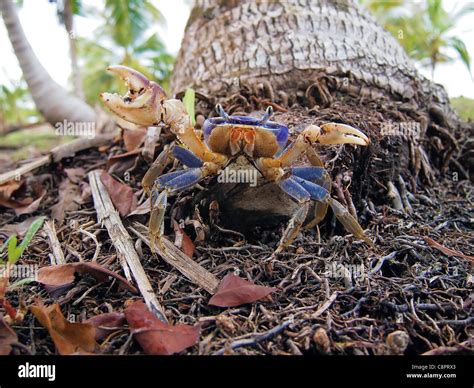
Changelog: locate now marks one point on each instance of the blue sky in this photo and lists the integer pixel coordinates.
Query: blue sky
(49, 40)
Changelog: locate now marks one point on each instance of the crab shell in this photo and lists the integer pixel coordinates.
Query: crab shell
(254, 136)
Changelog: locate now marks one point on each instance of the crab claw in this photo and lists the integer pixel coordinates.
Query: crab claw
(335, 133)
(141, 104)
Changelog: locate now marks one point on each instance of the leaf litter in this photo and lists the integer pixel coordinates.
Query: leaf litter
(421, 290)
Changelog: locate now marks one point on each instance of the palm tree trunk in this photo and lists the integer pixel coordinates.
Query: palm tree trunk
(69, 25)
(52, 100)
(290, 43)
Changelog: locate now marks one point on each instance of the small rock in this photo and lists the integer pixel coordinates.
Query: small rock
(397, 342)
(322, 341)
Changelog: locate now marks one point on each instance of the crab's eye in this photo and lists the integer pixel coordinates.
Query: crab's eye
(267, 115)
(220, 110)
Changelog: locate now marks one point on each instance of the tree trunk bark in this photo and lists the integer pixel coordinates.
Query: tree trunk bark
(54, 103)
(290, 43)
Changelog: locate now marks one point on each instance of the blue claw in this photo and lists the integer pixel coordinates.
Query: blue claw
(186, 157)
(180, 180)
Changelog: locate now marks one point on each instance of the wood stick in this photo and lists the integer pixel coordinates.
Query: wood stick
(326, 305)
(122, 241)
(16, 174)
(58, 255)
(57, 153)
(152, 136)
(184, 264)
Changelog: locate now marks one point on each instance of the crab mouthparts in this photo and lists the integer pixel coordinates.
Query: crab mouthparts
(242, 138)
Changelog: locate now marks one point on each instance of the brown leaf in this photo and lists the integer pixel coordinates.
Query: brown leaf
(121, 195)
(75, 175)
(446, 250)
(40, 192)
(7, 338)
(19, 229)
(8, 188)
(106, 323)
(156, 337)
(183, 241)
(112, 159)
(6, 191)
(69, 200)
(59, 276)
(68, 337)
(133, 138)
(119, 164)
(234, 291)
(143, 208)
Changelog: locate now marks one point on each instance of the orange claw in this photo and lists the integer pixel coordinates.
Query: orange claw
(142, 104)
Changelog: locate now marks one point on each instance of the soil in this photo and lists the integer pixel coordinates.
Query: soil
(401, 284)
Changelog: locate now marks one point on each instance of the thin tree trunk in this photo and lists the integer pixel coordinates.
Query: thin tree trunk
(54, 103)
(69, 25)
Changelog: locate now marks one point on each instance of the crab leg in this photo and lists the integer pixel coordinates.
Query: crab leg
(319, 176)
(347, 219)
(302, 191)
(186, 157)
(169, 184)
(156, 169)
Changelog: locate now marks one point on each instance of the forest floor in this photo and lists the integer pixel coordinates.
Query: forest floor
(412, 293)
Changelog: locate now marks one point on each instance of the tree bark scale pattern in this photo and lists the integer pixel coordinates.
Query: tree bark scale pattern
(289, 43)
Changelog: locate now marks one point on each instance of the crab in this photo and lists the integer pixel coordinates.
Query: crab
(264, 143)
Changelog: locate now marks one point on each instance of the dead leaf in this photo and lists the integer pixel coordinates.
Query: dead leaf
(69, 200)
(75, 175)
(106, 323)
(156, 337)
(133, 138)
(19, 229)
(8, 188)
(40, 192)
(143, 208)
(6, 192)
(234, 291)
(56, 277)
(113, 159)
(119, 164)
(446, 250)
(68, 337)
(183, 241)
(7, 338)
(121, 195)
